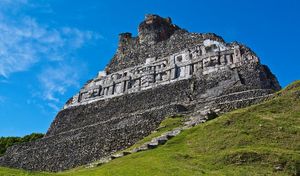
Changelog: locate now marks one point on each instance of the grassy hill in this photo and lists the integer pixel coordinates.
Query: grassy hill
(263, 139)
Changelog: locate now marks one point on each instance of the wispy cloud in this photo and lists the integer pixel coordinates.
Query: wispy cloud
(53, 106)
(56, 81)
(13, 2)
(25, 42)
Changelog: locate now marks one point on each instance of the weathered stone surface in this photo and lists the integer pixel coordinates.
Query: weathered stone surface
(204, 73)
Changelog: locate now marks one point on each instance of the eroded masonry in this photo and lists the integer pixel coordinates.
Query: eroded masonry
(203, 59)
(163, 71)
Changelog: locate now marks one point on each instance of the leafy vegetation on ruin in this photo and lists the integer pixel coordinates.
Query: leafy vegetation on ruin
(263, 139)
(6, 142)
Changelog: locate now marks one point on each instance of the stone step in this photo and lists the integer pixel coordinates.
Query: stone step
(141, 148)
(118, 155)
(247, 99)
(201, 116)
(103, 161)
(155, 142)
(173, 133)
(195, 120)
(100, 162)
(162, 140)
(126, 153)
(152, 145)
(246, 93)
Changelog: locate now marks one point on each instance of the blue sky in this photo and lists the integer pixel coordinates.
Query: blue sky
(50, 48)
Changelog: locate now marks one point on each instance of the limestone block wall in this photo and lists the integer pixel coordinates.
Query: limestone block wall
(203, 59)
(119, 106)
(86, 144)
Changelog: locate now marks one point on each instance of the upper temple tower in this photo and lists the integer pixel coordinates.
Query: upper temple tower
(155, 29)
(157, 37)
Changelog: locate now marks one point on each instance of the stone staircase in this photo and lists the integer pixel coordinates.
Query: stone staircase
(192, 121)
(213, 108)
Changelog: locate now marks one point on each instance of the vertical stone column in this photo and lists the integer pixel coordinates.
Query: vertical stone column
(103, 92)
(100, 90)
(196, 66)
(168, 75)
(182, 72)
(200, 65)
(237, 54)
(229, 59)
(108, 91)
(173, 73)
(112, 90)
(187, 71)
(117, 88)
(122, 88)
(158, 77)
(203, 51)
(199, 52)
(222, 60)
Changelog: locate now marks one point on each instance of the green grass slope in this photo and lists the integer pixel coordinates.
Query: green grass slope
(263, 139)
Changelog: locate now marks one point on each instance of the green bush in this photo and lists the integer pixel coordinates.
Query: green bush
(6, 142)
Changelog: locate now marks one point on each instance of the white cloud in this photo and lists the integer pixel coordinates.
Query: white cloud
(56, 81)
(53, 106)
(25, 42)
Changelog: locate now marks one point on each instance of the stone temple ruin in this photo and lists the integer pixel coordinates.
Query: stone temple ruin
(165, 70)
(203, 59)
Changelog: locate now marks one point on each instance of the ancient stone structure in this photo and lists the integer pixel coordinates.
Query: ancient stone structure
(165, 70)
(203, 59)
